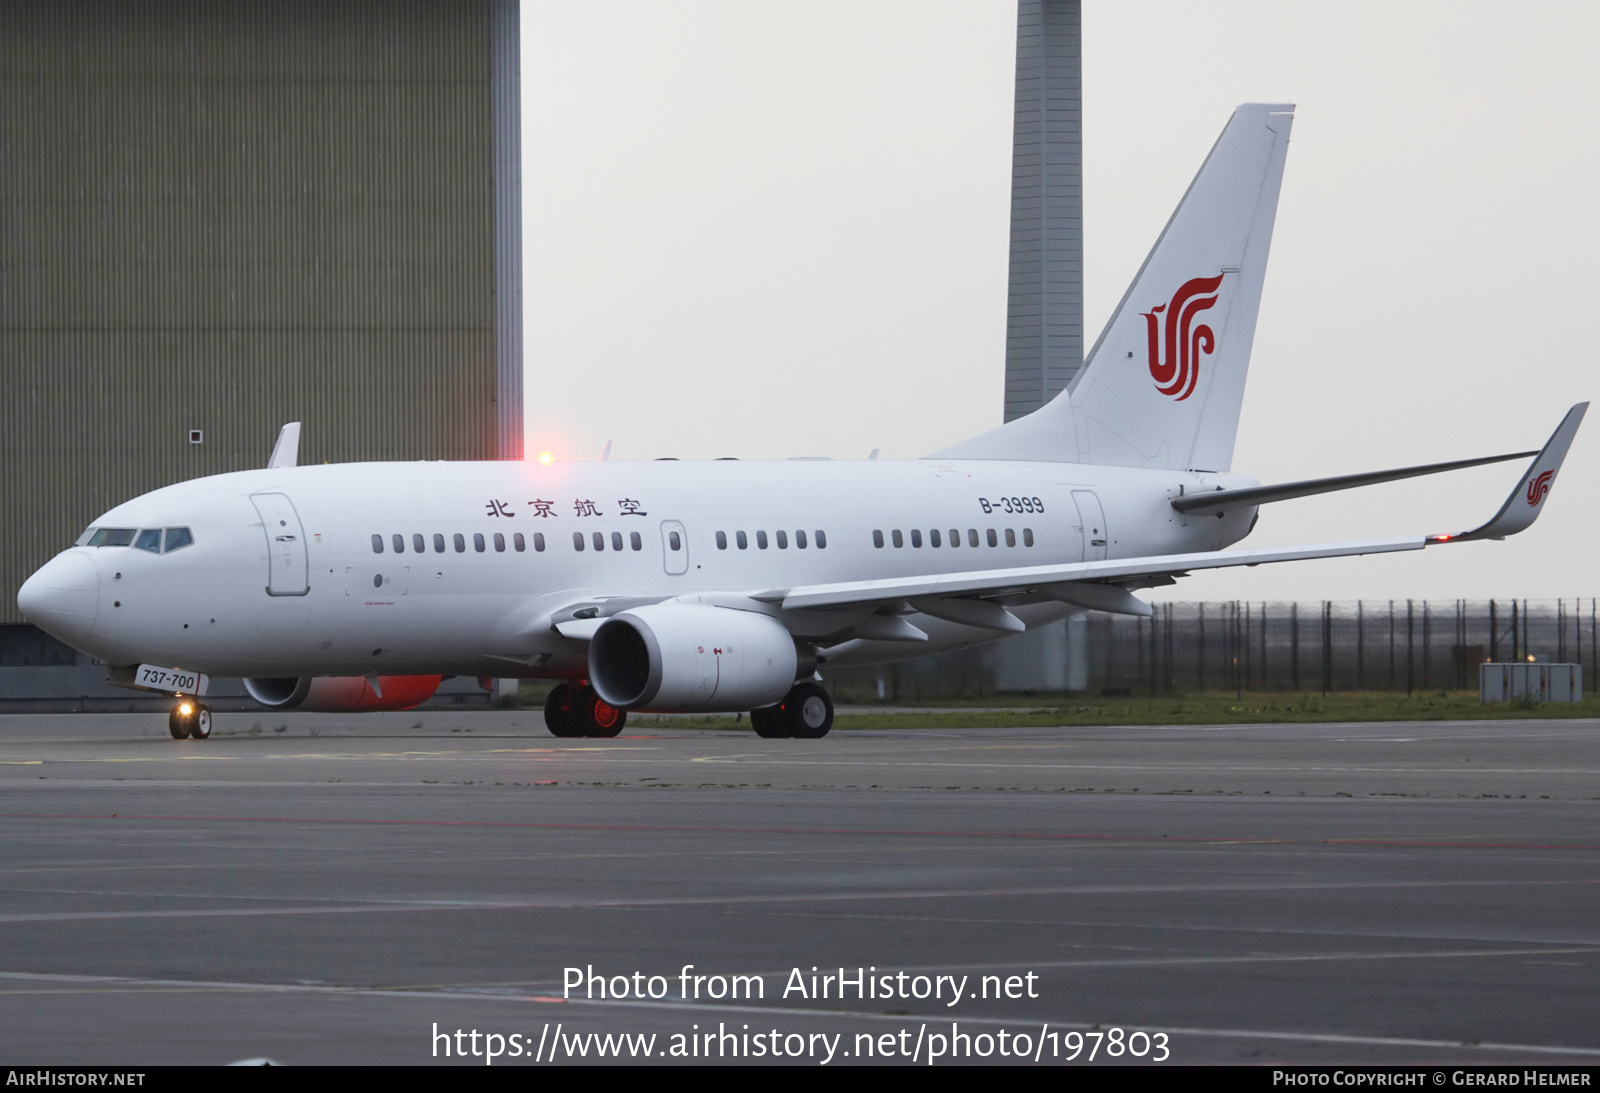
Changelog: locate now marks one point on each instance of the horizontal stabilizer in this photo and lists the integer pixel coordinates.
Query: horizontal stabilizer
(1260, 495)
(1522, 508)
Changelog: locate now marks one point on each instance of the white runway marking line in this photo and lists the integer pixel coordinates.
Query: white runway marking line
(1135, 767)
(461, 994)
(411, 906)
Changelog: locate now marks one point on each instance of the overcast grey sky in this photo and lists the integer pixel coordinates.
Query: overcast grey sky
(774, 229)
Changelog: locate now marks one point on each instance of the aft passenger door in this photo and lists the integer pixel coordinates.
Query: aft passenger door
(675, 547)
(287, 571)
(1093, 519)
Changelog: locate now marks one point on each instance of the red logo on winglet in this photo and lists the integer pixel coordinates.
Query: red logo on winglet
(1539, 487)
(1183, 342)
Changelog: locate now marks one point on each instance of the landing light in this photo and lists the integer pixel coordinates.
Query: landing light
(545, 458)
(186, 709)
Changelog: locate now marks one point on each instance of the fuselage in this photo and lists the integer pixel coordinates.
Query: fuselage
(460, 568)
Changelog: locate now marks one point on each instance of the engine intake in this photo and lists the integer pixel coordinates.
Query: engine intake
(693, 658)
(341, 694)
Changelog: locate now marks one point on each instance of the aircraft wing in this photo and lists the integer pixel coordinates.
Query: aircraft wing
(1520, 510)
(1115, 570)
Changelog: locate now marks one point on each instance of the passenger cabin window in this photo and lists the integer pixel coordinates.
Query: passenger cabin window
(761, 540)
(477, 542)
(499, 543)
(783, 541)
(418, 545)
(1027, 536)
(438, 543)
(800, 539)
(933, 537)
(616, 540)
(993, 540)
(399, 542)
(972, 537)
(877, 539)
(899, 540)
(634, 540)
(916, 537)
(955, 537)
(1011, 538)
(538, 541)
(722, 540)
(599, 541)
(577, 540)
(822, 540)
(741, 540)
(150, 540)
(674, 540)
(460, 542)
(377, 544)
(519, 543)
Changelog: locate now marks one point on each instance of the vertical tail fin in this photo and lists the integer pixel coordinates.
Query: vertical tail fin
(1164, 384)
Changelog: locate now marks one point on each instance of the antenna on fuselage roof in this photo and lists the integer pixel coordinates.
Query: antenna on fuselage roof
(605, 453)
(286, 452)
(874, 454)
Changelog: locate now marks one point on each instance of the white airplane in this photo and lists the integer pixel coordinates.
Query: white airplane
(725, 585)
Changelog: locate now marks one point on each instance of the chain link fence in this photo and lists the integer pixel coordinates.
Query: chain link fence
(1404, 646)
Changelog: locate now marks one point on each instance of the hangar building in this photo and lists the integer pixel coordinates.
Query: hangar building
(217, 218)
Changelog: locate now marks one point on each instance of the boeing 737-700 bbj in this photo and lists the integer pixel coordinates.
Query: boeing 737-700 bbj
(724, 585)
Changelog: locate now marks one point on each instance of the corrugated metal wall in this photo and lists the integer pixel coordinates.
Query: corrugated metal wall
(228, 216)
(1044, 314)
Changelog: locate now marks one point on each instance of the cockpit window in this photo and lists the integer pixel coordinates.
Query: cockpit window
(155, 540)
(104, 537)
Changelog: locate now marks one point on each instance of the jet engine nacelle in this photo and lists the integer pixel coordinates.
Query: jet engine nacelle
(341, 694)
(691, 657)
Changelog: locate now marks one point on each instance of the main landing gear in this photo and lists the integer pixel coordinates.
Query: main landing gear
(190, 719)
(805, 712)
(575, 710)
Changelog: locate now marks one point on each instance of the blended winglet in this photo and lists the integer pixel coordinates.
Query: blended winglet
(1522, 508)
(286, 452)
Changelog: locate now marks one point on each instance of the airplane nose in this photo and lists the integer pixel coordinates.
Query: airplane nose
(63, 597)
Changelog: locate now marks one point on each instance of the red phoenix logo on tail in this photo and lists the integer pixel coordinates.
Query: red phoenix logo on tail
(1539, 487)
(1183, 342)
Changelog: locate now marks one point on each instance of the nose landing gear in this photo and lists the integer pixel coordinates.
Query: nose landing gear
(190, 719)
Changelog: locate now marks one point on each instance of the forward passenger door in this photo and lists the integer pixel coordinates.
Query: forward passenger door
(287, 564)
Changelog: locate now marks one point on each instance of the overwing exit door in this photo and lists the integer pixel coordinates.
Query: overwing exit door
(675, 547)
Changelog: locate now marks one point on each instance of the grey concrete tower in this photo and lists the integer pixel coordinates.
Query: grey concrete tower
(1044, 313)
(505, 75)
